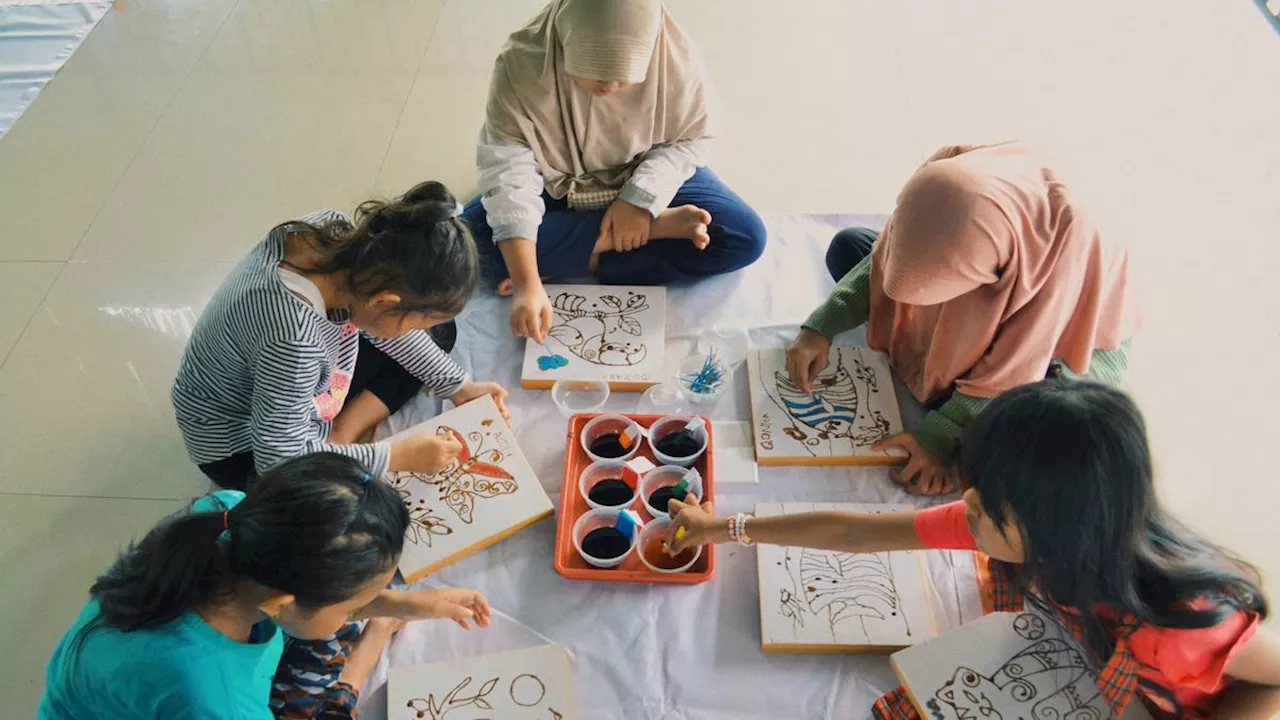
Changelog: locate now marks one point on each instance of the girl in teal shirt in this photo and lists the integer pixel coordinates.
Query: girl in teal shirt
(194, 620)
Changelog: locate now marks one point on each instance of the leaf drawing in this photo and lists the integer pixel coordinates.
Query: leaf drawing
(424, 524)
(629, 325)
(600, 332)
(431, 709)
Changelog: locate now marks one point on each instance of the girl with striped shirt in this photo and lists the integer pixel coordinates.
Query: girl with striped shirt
(322, 331)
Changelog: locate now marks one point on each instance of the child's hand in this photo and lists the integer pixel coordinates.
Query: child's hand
(807, 357)
(472, 390)
(923, 474)
(624, 226)
(699, 525)
(424, 453)
(531, 313)
(457, 604)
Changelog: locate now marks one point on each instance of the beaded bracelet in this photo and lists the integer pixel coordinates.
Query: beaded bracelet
(738, 529)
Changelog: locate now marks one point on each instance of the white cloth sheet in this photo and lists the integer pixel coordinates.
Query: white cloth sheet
(36, 38)
(656, 651)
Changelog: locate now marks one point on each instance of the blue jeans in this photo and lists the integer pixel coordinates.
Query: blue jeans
(567, 238)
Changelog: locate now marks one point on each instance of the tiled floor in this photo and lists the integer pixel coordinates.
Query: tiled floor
(183, 128)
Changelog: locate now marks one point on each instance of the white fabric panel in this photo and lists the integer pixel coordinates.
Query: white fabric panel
(669, 652)
(36, 38)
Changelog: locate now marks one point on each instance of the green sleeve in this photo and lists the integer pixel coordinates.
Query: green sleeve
(940, 430)
(1107, 366)
(848, 305)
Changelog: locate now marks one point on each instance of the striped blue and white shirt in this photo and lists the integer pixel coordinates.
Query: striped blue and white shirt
(266, 371)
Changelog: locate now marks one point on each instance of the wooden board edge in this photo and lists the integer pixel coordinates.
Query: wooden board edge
(809, 461)
(911, 696)
(800, 648)
(631, 386)
(641, 386)
(417, 575)
(752, 361)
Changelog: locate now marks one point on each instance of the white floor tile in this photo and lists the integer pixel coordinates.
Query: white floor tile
(470, 34)
(815, 113)
(51, 549)
(153, 34)
(239, 152)
(435, 140)
(275, 34)
(22, 287)
(66, 153)
(85, 392)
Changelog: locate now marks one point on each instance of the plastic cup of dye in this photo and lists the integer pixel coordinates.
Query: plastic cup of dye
(703, 392)
(603, 434)
(602, 471)
(603, 520)
(670, 425)
(653, 552)
(665, 477)
(579, 396)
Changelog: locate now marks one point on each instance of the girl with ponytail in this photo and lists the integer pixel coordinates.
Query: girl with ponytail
(241, 607)
(324, 329)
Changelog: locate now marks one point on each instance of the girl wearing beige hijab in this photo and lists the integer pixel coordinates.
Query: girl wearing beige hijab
(987, 276)
(591, 159)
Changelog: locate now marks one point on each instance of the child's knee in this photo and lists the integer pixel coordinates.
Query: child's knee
(746, 233)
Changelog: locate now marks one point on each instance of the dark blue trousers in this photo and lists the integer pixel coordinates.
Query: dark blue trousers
(567, 238)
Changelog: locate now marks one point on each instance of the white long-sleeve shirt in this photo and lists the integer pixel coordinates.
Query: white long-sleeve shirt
(267, 368)
(511, 182)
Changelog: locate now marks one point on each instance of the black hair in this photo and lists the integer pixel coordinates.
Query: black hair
(1068, 461)
(414, 246)
(311, 526)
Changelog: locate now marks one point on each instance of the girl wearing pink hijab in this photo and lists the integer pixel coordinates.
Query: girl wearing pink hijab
(986, 277)
(591, 159)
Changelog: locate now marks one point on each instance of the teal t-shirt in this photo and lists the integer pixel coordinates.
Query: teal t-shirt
(184, 669)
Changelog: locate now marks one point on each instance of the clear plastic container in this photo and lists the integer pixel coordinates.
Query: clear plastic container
(651, 538)
(579, 396)
(605, 470)
(703, 388)
(667, 476)
(594, 520)
(607, 425)
(672, 424)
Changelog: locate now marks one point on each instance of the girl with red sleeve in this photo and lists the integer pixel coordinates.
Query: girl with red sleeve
(1061, 498)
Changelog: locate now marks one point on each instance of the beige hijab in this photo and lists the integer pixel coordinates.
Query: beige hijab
(584, 143)
(986, 271)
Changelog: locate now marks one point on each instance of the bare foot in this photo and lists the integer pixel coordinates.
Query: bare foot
(687, 221)
(506, 288)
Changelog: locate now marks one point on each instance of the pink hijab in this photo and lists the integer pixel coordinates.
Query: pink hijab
(986, 271)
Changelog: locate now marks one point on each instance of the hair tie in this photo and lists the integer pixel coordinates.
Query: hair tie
(365, 480)
(225, 535)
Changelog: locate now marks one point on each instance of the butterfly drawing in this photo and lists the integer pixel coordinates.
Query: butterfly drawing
(424, 524)
(471, 475)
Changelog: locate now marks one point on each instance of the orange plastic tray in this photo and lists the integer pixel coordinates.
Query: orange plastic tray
(572, 505)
